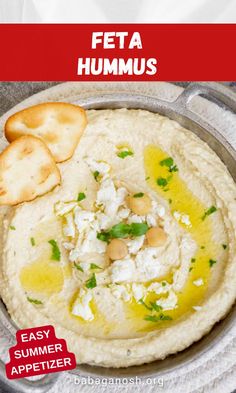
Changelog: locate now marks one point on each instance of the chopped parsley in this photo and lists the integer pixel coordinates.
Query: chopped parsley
(203, 247)
(163, 283)
(164, 317)
(170, 201)
(169, 163)
(145, 305)
(147, 178)
(224, 246)
(208, 212)
(190, 269)
(138, 195)
(157, 318)
(34, 301)
(152, 307)
(212, 262)
(125, 153)
(193, 260)
(174, 168)
(162, 182)
(156, 307)
(78, 267)
(96, 175)
(94, 266)
(81, 196)
(32, 241)
(56, 253)
(91, 282)
(103, 236)
(12, 227)
(122, 230)
(138, 229)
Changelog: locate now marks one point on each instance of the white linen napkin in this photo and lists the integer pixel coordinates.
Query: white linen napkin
(11, 11)
(117, 11)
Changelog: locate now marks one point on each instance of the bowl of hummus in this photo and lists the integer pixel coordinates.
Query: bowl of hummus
(132, 257)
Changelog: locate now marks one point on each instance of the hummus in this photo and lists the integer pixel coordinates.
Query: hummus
(154, 300)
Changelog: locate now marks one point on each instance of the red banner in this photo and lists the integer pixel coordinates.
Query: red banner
(102, 52)
(38, 351)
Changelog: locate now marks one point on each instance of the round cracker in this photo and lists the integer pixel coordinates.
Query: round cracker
(60, 125)
(27, 170)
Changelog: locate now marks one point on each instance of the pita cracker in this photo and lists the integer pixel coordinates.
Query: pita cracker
(60, 125)
(27, 170)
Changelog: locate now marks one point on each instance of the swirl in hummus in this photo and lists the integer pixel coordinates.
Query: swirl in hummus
(132, 258)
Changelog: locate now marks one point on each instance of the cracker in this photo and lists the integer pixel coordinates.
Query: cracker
(27, 170)
(60, 125)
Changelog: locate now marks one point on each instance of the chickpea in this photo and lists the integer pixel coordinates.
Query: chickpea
(156, 237)
(140, 205)
(117, 249)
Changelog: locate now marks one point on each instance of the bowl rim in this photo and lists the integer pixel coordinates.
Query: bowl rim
(173, 108)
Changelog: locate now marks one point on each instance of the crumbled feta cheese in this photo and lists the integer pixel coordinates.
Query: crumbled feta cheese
(123, 213)
(121, 195)
(135, 244)
(83, 218)
(123, 270)
(183, 218)
(168, 303)
(197, 308)
(74, 255)
(158, 209)
(177, 215)
(81, 307)
(91, 244)
(95, 225)
(158, 288)
(103, 220)
(111, 208)
(62, 208)
(110, 198)
(199, 282)
(139, 291)
(120, 292)
(151, 220)
(134, 218)
(69, 227)
(186, 220)
(85, 265)
(101, 167)
(103, 277)
(161, 211)
(106, 192)
(68, 246)
(147, 264)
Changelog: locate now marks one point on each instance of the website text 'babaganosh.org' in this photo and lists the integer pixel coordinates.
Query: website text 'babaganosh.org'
(107, 381)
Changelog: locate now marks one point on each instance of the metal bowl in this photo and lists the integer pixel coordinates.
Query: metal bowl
(180, 112)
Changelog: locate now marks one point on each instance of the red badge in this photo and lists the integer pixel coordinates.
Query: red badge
(38, 351)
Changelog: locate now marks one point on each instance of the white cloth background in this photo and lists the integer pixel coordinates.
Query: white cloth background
(213, 372)
(118, 11)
